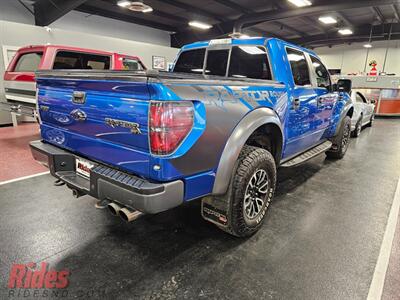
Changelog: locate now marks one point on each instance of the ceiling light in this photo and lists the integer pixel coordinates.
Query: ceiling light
(295, 57)
(367, 46)
(300, 3)
(252, 50)
(136, 6)
(327, 20)
(200, 25)
(147, 10)
(345, 31)
(124, 3)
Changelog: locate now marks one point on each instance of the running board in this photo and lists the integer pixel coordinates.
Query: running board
(325, 146)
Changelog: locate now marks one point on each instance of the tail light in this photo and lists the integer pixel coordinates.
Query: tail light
(170, 123)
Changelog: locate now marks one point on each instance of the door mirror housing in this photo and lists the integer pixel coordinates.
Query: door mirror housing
(373, 101)
(344, 86)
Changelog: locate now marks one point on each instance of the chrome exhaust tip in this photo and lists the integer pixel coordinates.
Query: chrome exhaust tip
(129, 215)
(114, 208)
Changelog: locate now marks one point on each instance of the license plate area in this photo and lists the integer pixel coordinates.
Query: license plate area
(83, 167)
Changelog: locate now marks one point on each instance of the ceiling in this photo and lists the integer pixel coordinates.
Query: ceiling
(277, 18)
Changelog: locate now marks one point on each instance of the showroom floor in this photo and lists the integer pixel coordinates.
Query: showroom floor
(321, 240)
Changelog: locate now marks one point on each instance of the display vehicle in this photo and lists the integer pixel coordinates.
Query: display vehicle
(19, 78)
(364, 112)
(216, 128)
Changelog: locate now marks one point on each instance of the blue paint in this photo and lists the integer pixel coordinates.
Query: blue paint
(130, 100)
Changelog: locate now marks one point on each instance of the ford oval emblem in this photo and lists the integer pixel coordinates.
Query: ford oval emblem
(78, 115)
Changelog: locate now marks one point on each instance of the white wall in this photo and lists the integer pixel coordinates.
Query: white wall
(351, 58)
(80, 30)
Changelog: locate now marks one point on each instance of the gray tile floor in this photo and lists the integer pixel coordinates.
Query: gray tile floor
(321, 239)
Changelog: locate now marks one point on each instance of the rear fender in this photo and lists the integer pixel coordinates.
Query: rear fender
(251, 122)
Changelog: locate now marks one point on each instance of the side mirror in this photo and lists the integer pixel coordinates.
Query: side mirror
(335, 87)
(344, 85)
(373, 101)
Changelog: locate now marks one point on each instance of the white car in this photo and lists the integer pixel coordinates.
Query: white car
(364, 112)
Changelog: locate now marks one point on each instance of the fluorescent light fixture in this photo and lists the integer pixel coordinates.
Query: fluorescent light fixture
(315, 64)
(345, 31)
(147, 10)
(124, 3)
(327, 20)
(295, 57)
(200, 25)
(254, 50)
(300, 3)
(367, 46)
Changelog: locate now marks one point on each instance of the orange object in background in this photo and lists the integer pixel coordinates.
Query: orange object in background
(389, 102)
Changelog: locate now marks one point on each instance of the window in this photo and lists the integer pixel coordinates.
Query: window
(249, 62)
(28, 62)
(190, 61)
(299, 66)
(76, 60)
(321, 73)
(217, 61)
(360, 99)
(132, 64)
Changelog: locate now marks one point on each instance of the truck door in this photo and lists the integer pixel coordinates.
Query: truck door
(326, 99)
(301, 131)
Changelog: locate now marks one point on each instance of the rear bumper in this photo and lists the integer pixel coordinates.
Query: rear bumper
(109, 183)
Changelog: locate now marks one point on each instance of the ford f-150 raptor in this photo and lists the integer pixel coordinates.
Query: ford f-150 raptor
(217, 128)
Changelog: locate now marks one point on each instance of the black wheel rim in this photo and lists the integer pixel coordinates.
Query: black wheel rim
(345, 138)
(255, 194)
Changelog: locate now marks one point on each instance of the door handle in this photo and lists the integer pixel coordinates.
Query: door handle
(296, 103)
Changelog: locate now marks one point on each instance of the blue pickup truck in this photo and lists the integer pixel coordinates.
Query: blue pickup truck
(215, 128)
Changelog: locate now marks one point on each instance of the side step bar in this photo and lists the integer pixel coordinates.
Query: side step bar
(325, 146)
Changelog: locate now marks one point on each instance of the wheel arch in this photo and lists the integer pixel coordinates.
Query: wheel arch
(261, 120)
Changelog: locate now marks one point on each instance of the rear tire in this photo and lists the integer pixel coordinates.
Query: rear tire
(341, 141)
(357, 130)
(252, 189)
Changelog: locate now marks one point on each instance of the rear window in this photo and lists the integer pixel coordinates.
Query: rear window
(132, 64)
(249, 62)
(299, 66)
(28, 62)
(217, 61)
(76, 60)
(190, 61)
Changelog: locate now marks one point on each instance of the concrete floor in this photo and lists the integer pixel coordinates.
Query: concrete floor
(321, 239)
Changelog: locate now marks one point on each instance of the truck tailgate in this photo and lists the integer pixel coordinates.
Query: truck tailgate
(104, 120)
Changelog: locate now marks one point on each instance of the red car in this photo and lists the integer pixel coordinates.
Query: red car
(19, 78)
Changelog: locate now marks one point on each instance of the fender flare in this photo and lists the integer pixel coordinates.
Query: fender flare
(348, 105)
(241, 133)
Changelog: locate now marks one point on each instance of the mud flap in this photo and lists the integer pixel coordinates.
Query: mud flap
(216, 210)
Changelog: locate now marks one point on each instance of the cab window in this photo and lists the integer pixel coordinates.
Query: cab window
(132, 64)
(28, 62)
(249, 62)
(76, 60)
(190, 61)
(217, 62)
(360, 98)
(321, 73)
(299, 66)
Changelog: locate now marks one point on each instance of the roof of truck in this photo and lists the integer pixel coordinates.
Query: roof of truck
(261, 41)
